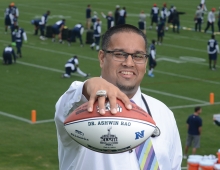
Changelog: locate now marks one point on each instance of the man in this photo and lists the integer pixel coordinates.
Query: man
(72, 66)
(14, 10)
(109, 18)
(77, 32)
(152, 59)
(154, 15)
(117, 14)
(97, 35)
(7, 54)
(122, 16)
(164, 14)
(35, 22)
(142, 22)
(170, 15)
(176, 20)
(7, 18)
(19, 35)
(160, 31)
(123, 62)
(194, 128)
(198, 18)
(219, 20)
(57, 30)
(14, 23)
(93, 19)
(42, 24)
(211, 20)
(213, 50)
(203, 7)
(88, 17)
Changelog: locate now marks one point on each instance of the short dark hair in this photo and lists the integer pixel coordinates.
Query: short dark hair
(213, 36)
(197, 108)
(118, 29)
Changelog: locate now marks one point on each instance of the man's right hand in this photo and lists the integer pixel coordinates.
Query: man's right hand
(95, 84)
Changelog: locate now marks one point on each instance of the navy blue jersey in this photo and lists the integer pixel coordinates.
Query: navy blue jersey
(18, 35)
(155, 11)
(212, 43)
(14, 11)
(7, 12)
(219, 16)
(110, 19)
(152, 50)
(59, 24)
(44, 19)
(97, 30)
(88, 13)
(194, 123)
(160, 26)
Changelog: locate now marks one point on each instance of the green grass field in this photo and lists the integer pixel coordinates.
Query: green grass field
(182, 78)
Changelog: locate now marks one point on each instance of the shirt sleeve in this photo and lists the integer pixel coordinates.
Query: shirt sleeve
(68, 102)
(153, 54)
(25, 36)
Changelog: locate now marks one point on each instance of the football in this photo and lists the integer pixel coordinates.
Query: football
(109, 133)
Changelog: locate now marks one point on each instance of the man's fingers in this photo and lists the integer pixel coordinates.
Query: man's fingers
(91, 103)
(101, 104)
(125, 100)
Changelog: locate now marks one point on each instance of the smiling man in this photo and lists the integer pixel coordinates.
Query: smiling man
(123, 61)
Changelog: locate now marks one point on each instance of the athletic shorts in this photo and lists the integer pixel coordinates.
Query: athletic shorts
(141, 25)
(193, 140)
(154, 19)
(213, 56)
(7, 21)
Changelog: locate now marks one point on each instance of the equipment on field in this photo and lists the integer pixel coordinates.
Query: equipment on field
(109, 133)
(89, 37)
(49, 32)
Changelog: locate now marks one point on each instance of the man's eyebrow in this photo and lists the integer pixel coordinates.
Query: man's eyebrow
(122, 50)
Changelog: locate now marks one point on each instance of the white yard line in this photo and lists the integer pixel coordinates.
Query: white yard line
(174, 95)
(192, 105)
(15, 117)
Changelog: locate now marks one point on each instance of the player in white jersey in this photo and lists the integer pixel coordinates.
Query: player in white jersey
(211, 20)
(142, 22)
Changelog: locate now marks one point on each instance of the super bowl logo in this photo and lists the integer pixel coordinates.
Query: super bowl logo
(108, 108)
(109, 139)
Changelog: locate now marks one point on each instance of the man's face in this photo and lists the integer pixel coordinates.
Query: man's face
(126, 75)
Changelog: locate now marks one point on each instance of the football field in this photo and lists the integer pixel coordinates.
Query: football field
(182, 79)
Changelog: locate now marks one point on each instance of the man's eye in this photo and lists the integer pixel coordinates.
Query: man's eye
(119, 54)
(139, 56)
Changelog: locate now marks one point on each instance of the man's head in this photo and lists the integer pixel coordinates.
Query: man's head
(12, 4)
(128, 74)
(88, 6)
(110, 13)
(198, 110)
(48, 12)
(213, 9)
(164, 5)
(213, 36)
(117, 7)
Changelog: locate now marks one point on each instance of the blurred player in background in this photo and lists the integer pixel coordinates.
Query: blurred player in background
(152, 59)
(97, 35)
(170, 15)
(213, 50)
(19, 35)
(117, 9)
(164, 14)
(88, 17)
(42, 24)
(154, 15)
(7, 18)
(77, 32)
(7, 54)
(109, 18)
(160, 31)
(35, 22)
(57, 30)
(142, 22)
(203, 7)
(176, 20)
(14, 10)
(14, 23)
(219, 20)
(72, 66)
(211, 20)
(198, 18)
(122, 16)
(93, 19)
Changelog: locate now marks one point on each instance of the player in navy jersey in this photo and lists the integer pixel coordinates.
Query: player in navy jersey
(7, 54)
(109, 18)
(160, 31)
(42, 24)
(213, 50)
(170, 15)
(88, 17)
(152, 59)
(7, 18)
(14, 23)
(176, 20)
(97, 35)
(19, 36)
(117, 9)
(122, 16)
(77, 32)
(57, 30)
(14, 10)
(154, 15)
(35, 22)
(71, 66)
(219, 20)
(164, 14)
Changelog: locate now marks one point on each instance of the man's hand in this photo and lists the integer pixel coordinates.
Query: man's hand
(95, 84)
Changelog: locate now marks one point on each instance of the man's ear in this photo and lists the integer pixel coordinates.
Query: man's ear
(101, 57)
